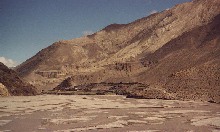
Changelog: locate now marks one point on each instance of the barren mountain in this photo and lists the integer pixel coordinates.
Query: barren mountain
(189, 65)
(175, 51)
(12, 84)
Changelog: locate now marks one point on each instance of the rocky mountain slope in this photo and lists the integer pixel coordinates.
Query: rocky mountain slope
(188, 66)
(171, 50)
(12, 84)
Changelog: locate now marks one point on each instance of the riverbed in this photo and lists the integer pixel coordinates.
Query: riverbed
(65, 113)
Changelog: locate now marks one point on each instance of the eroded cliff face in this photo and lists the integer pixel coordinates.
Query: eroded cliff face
(148, 50)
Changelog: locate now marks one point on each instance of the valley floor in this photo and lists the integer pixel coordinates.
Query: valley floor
(64, 113)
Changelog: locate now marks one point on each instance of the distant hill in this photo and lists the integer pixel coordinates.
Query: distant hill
(12, 84)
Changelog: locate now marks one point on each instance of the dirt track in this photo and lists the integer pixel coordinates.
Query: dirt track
(105, 113)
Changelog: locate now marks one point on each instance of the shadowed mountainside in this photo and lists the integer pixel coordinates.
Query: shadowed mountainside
(188, 66)
(12, 84)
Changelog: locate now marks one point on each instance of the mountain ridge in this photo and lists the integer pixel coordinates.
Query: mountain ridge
(118, 52)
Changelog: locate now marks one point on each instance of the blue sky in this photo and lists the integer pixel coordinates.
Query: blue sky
(27, 26)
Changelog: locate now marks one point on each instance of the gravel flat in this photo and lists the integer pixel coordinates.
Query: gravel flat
(62, 113)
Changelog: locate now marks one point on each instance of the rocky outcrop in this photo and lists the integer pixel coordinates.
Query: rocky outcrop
(12, 84)
(123, 67)
(101, 88)
(3, 90)
(50, 74)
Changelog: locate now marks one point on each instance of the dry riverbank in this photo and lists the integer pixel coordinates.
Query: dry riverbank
(105, 113)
